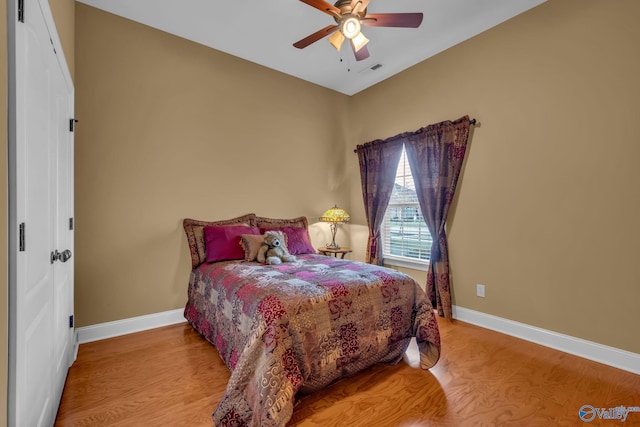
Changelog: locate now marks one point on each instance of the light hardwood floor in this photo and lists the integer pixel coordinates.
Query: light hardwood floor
(172, 377)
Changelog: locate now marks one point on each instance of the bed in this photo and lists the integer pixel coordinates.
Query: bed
(294, 328)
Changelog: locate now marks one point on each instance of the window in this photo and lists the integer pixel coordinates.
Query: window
(406, 240)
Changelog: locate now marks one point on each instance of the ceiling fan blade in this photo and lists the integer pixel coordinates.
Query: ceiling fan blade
(358, 6)
(323, 6)
(406, 20)
(363, 53)
(312, 38)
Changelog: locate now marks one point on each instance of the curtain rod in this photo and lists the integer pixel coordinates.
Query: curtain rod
(472, 122)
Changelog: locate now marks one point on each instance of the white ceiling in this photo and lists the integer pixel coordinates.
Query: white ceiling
(263, 31)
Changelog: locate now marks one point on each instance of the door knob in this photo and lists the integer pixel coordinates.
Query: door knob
(63, 256)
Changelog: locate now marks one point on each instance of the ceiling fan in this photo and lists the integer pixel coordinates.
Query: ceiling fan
(350, 16)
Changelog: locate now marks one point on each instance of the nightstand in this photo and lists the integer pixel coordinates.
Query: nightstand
(335, 252)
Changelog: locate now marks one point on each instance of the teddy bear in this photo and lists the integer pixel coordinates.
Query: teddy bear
(273, 249)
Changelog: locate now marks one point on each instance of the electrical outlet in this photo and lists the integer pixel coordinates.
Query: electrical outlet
(480, 290)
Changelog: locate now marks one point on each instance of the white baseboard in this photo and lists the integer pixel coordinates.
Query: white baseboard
(611, 356)
(106, 330)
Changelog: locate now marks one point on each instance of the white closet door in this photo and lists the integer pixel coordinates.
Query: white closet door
(64, 333)
(43, 291)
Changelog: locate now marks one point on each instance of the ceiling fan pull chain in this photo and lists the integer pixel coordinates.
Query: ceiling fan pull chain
(348, 63)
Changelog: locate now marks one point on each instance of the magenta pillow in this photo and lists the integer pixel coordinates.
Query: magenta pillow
(222, 242)
(298, 241)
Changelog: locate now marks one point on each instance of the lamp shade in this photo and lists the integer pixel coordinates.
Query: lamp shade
(336, 40)
(335, 214)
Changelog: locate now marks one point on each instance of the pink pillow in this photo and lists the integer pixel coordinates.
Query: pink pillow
(298, 241)
(223, 242)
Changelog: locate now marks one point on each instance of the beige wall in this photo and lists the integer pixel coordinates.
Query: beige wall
(171, 129)
(548, 205)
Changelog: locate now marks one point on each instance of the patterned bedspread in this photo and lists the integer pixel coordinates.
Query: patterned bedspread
(297, 327)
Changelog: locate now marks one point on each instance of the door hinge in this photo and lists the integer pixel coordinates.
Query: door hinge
(70, 223)
(71, 321)
(21, 10)
(72, 124)
(21, 238)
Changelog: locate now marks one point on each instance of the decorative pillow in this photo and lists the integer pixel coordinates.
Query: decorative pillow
(263, 222)
(251, 245)
(297, 239)
(193, 228)
(223, 241)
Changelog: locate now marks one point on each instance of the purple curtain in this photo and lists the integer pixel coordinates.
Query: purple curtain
(435, 154)
(378, 164)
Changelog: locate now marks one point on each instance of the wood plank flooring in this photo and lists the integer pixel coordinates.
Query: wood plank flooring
(172, 377)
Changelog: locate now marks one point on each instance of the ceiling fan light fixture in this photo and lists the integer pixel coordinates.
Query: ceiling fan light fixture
(350, 16)
(359, 41)
(351, 27)
(336, 40)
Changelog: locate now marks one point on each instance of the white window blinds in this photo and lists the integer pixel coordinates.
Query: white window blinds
(405, 236)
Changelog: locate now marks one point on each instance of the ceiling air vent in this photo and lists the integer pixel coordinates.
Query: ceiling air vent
(375, 67)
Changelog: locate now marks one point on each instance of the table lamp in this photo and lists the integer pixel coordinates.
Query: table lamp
(334, 216)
